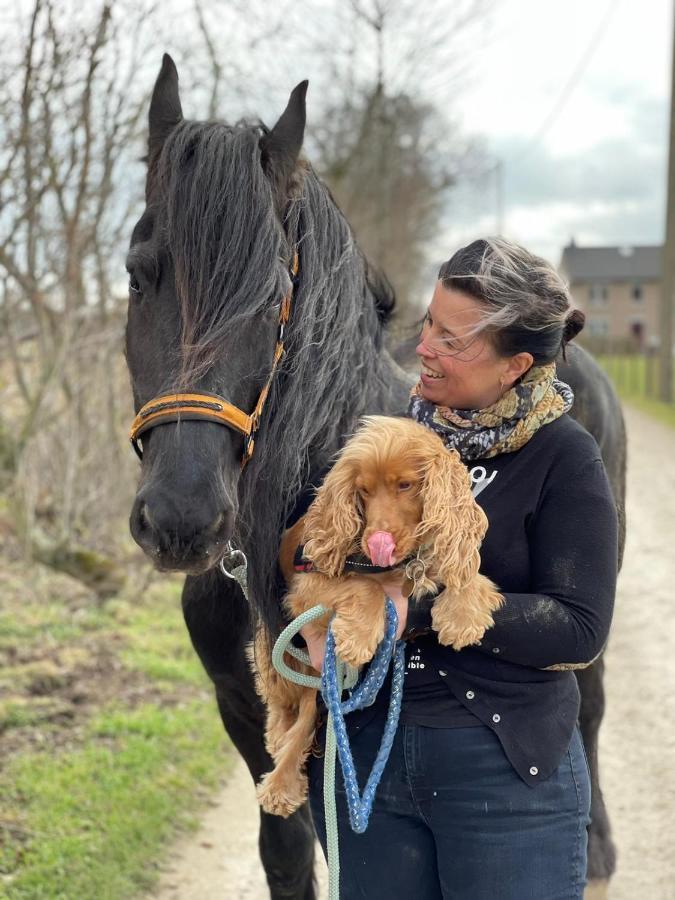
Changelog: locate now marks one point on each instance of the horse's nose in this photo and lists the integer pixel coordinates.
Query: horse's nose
(178, 533)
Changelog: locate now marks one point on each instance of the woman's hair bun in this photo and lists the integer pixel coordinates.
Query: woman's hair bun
(573, 325)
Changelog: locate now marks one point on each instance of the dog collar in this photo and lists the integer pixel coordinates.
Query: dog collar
(358, 562)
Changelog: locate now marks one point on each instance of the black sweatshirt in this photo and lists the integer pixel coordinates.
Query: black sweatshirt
(551, 549)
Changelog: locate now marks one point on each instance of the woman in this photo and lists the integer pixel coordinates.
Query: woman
(487, 793)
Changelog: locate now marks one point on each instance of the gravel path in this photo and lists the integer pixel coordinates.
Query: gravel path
(637, 749)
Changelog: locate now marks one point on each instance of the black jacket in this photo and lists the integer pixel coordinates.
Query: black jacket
(551, 549)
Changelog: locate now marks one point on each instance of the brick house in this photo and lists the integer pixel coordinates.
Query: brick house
(619, 289)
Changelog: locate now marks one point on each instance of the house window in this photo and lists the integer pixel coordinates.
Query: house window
(636, 293)
(636, 327)
(598, 295)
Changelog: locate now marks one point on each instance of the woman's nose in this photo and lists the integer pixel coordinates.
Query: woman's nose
(422, 350)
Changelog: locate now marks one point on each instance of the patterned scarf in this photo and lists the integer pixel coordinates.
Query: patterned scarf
(505, 426)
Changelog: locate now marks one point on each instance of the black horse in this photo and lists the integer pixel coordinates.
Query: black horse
(211, 259)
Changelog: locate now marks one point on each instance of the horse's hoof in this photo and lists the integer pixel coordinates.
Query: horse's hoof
(597, 889)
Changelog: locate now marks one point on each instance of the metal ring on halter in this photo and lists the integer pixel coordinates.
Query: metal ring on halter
(235, 558)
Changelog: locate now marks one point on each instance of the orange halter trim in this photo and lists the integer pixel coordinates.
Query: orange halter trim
(202, 405)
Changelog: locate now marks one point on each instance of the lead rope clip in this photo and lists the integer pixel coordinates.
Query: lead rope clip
(234, 565)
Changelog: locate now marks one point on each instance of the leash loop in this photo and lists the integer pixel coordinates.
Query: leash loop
(336, 678)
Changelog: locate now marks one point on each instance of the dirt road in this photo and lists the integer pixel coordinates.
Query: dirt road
(637, 750)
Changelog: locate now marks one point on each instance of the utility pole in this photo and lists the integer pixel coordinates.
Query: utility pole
(668, 259)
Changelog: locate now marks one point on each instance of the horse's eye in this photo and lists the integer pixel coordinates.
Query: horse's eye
(134, 286)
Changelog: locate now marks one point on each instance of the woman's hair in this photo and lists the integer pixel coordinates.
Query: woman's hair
(527, 302)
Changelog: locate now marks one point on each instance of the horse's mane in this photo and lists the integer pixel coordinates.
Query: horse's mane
(226, 240)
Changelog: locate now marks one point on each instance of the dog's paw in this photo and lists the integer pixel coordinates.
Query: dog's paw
(281, 797)
(353, 652)
(354, 649)
(460, 631)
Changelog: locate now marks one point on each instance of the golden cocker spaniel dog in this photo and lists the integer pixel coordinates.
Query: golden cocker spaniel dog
(395, 493)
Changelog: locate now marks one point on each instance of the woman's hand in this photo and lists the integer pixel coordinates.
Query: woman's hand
(315, 638)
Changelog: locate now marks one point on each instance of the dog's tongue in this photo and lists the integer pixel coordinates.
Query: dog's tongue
(381, 548)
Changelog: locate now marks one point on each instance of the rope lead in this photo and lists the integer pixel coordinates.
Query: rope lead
(336, 678)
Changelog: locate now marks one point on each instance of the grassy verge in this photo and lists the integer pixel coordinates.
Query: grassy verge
(657, 409)
(636, 381)
(111, 738)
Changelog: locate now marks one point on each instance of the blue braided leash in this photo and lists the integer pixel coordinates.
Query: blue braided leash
(363, 695)
(336, 677)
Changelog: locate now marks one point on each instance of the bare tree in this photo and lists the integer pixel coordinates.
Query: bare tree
(385, 171)
(387, 143)
(71, 115)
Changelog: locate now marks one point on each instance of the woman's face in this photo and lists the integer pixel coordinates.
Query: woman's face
(457, 369)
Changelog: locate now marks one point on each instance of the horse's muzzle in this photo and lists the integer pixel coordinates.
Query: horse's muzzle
(188, 537)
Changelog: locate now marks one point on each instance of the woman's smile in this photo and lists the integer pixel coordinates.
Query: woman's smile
(428, 374)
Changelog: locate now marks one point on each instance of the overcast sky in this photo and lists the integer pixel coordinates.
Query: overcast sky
(570, 97)
(573, 99)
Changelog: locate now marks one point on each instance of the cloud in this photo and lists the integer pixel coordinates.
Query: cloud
(611, 191)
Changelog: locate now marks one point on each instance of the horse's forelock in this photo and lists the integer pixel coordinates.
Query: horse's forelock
(222, 232)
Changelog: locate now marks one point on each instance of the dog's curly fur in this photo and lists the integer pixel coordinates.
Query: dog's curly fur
(396, 476)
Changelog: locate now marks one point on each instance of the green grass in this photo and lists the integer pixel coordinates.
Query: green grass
(95, 817)
(154, 645)
(657, 409)
(636, 380)
(86, 818)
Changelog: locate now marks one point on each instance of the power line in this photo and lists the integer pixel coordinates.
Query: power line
(571, 83)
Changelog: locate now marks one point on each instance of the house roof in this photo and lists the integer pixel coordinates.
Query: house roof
(604, 264)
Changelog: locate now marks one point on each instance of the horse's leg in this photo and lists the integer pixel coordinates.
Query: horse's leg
(601, 850)
(217, 619)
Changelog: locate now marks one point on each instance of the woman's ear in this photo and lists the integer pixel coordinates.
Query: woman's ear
(333, 521)
(516, 366)
(453, 525)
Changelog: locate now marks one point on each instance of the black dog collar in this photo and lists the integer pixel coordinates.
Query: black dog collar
(355, 563)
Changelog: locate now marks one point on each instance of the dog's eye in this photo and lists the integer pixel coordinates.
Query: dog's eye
(404, 485)
(363, 491)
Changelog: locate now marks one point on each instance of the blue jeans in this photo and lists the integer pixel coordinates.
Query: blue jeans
(452, 819)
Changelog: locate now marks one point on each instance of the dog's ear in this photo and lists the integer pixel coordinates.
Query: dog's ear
(453, 525)
(333, 521)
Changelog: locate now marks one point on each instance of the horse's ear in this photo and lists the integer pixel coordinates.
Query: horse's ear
(280, 147)
(165, 108)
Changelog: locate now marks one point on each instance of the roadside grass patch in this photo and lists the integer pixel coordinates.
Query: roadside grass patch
(657, 409)
(92, 820)
(111, 739)
(635, 378)
(153, 644)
